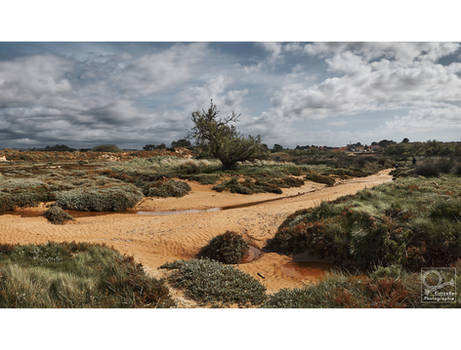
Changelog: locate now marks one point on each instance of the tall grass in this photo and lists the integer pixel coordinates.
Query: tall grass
(71, 275)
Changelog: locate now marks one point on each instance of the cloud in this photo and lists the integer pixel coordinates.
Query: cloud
(429, 119)
(49, 98)
(39, 78)
(290, 93)
(154, 72)
(373, 77)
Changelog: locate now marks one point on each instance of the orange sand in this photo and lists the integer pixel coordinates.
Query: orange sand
(154, 240)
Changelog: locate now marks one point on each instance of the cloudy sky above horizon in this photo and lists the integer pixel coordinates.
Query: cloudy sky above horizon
(131, 94)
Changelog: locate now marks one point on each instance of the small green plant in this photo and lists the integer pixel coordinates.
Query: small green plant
(247, 186)
(170, 188)
(324, 179)
(113, 198)
(228, 248)
(211, 282)
(56, 215)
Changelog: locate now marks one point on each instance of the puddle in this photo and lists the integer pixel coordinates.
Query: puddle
(305, 270)
(253, 254)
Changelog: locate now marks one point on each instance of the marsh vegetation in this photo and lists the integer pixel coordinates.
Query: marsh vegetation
(377, 240)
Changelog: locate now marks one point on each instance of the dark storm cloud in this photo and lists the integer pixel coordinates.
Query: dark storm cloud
(294, 93)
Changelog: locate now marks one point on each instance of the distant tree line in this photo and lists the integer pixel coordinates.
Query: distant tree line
(424, 149)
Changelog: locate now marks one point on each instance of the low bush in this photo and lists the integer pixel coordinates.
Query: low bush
(211, 282)
(428, 168)
(323, 179)
(203, 179)
(56, 215)
(20, 193)
(75, 275)
(7, 202)
(170, 188)
(228, 248)
(106, 148)
(247, 186)
(410, 222)
(114, 198)
(379, 290)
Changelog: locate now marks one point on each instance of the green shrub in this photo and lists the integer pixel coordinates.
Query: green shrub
(342, 291)
(449, 209)
(457, 169)
(387, 225)
(171, 188)
(20, 193)
(402, 172)
(393, 271)
(247, 186)
(228, 248)
(323, 179)
(75, 275)
(428, 168)
(203, 179)
(211, 282)
(56, 215)
(7, 202)
(114, 198)
(106, 148)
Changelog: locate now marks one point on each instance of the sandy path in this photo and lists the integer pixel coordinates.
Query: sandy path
(154, 240)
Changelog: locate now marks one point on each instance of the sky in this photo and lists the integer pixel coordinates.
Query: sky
(132, 94)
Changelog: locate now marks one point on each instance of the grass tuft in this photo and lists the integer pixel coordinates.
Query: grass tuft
(56, 215)
(75, 275)
(228, 248)
(211, 282)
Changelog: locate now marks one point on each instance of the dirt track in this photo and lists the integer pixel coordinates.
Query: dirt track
(154, 240)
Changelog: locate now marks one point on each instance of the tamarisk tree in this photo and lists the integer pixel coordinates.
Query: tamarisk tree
(219, 137)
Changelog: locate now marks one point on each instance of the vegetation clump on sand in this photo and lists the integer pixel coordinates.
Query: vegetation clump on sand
(323, 179)
(258, 184)
(211, 282)
(413, 222)
(203, 179)
(386, 287)
(228, 248)
(56, 215)
(170, 188)
(112, 198)
(20, 193)
(75, 275)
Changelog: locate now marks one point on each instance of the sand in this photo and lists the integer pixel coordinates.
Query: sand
(157, 239)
